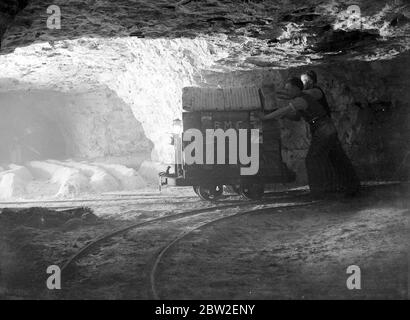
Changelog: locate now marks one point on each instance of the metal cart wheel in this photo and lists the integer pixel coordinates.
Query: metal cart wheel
(252, 191)
(196, 189)
(209, 193)
(233, 189)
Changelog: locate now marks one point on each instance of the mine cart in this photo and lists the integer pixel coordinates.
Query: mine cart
(228, 108)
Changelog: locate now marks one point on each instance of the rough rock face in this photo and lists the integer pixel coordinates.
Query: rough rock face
(148, 75)
(113, 77)
(8, 10)
(275, 33)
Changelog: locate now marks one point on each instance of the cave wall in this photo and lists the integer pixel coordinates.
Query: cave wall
(146, 74)
(371, 108)
(151, 83)
(8, 10)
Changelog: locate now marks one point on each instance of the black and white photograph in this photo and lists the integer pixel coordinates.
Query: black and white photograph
(212, 151)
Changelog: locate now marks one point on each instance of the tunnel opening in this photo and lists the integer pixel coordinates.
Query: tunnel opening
(68, 143)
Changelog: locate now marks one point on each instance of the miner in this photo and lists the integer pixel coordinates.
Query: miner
(310, 86)
(323, 173)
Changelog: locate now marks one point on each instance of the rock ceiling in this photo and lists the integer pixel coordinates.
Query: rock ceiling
(253, 33)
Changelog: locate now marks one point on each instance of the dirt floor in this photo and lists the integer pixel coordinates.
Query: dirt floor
(274, 253)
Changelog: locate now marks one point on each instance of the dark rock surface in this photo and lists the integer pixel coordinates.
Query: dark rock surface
(43, 218)
(254, 33)
(8, 10)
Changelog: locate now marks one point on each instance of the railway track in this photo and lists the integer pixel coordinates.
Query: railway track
(92, 245)
(162, 252)
(80, 201)
(61, 204)
(129, 198)
(244, 207)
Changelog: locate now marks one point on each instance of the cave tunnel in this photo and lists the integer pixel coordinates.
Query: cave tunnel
(97, 204)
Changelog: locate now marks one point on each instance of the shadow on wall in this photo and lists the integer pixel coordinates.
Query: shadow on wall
(45, 124)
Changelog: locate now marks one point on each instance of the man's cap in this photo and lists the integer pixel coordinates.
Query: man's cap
(312, 75)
